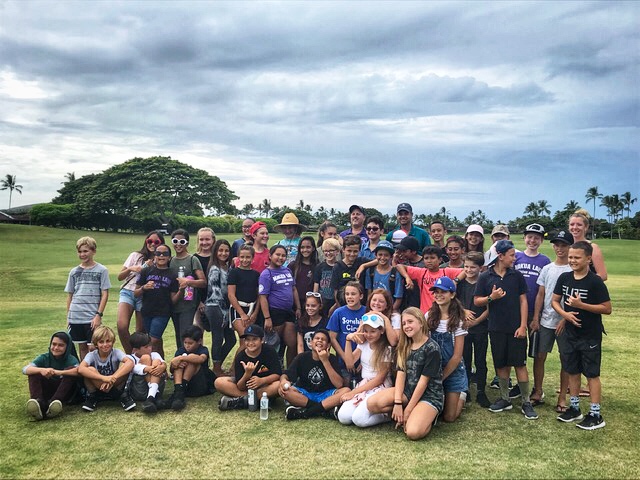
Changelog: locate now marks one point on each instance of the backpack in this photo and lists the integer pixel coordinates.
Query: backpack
(392, 279)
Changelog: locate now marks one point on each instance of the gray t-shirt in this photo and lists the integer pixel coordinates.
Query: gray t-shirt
(548, 278)
(86, 285)
(190, 264)
(109, 365)
(425, 361)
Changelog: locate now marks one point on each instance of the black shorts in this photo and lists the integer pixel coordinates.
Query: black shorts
(580, 355)
(280, 317)
(201, 383)
(80, 332)
(139, 388)
(507, 350)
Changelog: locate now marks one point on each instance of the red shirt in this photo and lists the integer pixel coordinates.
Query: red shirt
(425, 279)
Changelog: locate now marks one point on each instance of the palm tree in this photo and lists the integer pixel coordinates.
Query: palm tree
(265, 207)
(247, 209)
(593, 195)
(9, 183)
(544, 207)
(300, 205)
(571, 206)
(628, 201)
(532, 209)
(70, 176)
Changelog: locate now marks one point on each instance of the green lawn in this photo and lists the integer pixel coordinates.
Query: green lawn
(203, 442)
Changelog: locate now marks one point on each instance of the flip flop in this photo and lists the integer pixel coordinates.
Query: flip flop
(584, 392)
(537, 402)
(561, 408)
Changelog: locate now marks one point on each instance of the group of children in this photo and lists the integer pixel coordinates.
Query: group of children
(410, 329)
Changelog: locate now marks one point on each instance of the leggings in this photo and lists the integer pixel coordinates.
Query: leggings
(222, 335)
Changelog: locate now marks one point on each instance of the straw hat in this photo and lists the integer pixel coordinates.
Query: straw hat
(288, 220)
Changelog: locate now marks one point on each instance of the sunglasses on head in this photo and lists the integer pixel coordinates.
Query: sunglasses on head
(313, 294)
(162, 254)
(180, 241)
(151, 241)
(373, 317)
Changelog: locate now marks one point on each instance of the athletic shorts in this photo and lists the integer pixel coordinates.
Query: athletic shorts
(201, 383)
(546, 339)
(127, 296)
(280, 317)
(155, 326)
(316, 396)
(80, 332)
(507, 350)
(139, 387)
(580, 355)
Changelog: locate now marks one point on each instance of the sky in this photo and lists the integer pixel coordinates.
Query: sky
(466, 105)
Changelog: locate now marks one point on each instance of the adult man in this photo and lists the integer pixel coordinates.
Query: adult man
(404, 214)
(356, 216)
(246, 236)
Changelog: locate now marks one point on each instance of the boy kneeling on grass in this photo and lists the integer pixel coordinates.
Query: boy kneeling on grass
(581, 298)
(147, 378)
(256, 367)
(312, 384)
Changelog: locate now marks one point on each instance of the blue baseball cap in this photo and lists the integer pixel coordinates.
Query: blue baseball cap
(444, 283)
(385, 245)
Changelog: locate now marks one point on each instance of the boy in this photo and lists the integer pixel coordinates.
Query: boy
(546, 319)
(581, 298)
(345, 270)
(105, 371)
(426, 277)
(257, 367)
(506, 290)
(88, 288)
(324, 271)
(312, 384)
(437, 230)
(190, 368)
(384, 275)
(455, 251)
(529, 263)
(477, 339)
(374, 229)
(147, 378)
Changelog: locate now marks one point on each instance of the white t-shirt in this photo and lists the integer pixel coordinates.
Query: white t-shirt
(366, 359)
(138, 369)
(442, 328)
(548, 278)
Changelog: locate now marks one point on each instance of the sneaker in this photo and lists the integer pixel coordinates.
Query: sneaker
(495, 383)
(164, 403)
(34, 409)
(295, 413)
(55, 409)
(149, 405)
(510, 384)
(514, 392)
(572, 414)
(331, 414)
(483, 400)
(231, 403)
(536, 402)
(591, 422)
(528, 411)
(500, 405)
(127, 403)
(90, 403)
(464, 396)
(178, 402)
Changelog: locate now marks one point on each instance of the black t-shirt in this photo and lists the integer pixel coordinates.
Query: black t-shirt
(269, 363)
(157, 302)
(304, 281)
(246, 282)
(592, 290)
(310, 374)
(465, 292)
(343, 274)
(204, 261)
(200, 350)
(504, 313)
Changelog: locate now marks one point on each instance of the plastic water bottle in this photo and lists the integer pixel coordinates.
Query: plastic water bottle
(251, 400)
(181, 272)
(188, 291)
(264, 406)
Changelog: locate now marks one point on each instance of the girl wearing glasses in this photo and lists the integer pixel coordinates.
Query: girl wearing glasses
(157, 286)
(130, 273)
(311, 320)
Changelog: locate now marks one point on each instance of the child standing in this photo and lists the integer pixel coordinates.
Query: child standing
(291, 228)
(383, 275)
(417, 398)
(88, 288)
(310, 321)
(323, 273)
(505, 289)
(446, 321)
(147, 378)
(455, 252)
(205, 239)
(374, 353)
(326, 231)
(52, 378)
(345, 270)
(374, 229)
(242, 290)
(304, 265)
(581, 298)
(474, 239)
(260, 235)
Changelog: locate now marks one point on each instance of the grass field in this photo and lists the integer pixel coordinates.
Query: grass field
(202, 442)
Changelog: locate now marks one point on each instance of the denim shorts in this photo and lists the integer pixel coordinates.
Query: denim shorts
(127, 296)
(456, 381)
(155, 326)
(316, 396)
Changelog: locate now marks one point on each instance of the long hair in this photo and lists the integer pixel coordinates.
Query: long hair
(323, 228)
(144, 251)
(379, 350)
(303, 321)
(457, 316)
(200, 232)
(387, 296)
(295, 265)
(404, 345)
(214, 255)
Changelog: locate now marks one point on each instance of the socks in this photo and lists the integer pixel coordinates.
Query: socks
(153, 389)
(504, 388)
(524, 391)
(575, 402)
(314, 408)
(595, 409)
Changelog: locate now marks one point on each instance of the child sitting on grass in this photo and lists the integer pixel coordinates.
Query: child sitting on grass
(147, 379)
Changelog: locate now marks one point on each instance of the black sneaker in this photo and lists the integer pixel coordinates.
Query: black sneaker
(572, 414)
(34, 409)
(149, 405)
(164, 403)
(500, 405)
(90, 404)
(178, 402)
(495, 383)
(231, 403)
(528, 411)
(483, 400)
(127, 402)
(591, 422)
(295, 413)
(510, 384)
(55, 409)
(514, 392)
(331, 414)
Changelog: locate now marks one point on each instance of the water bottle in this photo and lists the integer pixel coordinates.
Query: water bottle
(181, 272)
(264, 406)
(251, 400)
(188, 291)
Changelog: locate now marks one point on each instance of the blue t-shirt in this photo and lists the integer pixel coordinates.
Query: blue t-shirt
(291, 244)
(383, 280)
(345, 321)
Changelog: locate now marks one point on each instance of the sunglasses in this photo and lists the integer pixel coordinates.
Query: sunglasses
(313, 294)
(180, 241)
(373, 229)
(153, 242)
(162, 254)
(373, 317)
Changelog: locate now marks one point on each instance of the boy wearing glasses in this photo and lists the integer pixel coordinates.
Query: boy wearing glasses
(322, 274)
(374, 229)
(158, 287)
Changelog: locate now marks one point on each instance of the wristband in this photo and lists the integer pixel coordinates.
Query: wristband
(100, 314)
(397, 403)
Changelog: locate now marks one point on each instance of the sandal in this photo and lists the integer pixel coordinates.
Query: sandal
(561, 408)
(584, 392)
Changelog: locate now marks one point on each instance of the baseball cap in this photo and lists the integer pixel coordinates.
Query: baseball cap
(475, 228)
(503, 229)
(256, 226)
(373, 320)
(563, 237)
(397, 236)
(253, 330)
(404, 206)
(444, 283)
(408, 243)
(534, 228)
(384, 245)
(503, 246)
(357, 207)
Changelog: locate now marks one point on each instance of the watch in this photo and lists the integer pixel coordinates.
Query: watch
(489, 299)
(100, 314)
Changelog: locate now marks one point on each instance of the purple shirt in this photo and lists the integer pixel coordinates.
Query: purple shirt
(277, 284)
(530, 268)
(349, 231)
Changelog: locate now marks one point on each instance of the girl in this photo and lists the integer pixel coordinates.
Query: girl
(279, 300)
(303, 266)
(291, 228)
(446, 321)
(417, 398)
(474, 239)
(381, 303)
(260, 235)
(578, 227)
(455, 251)
(217, 306)
(191, 277)
(242, 290)
(52, 377)
(326, 231)
(323, 272)
(310, 321)
(205, 238)
(374, 353)
(130, 273)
